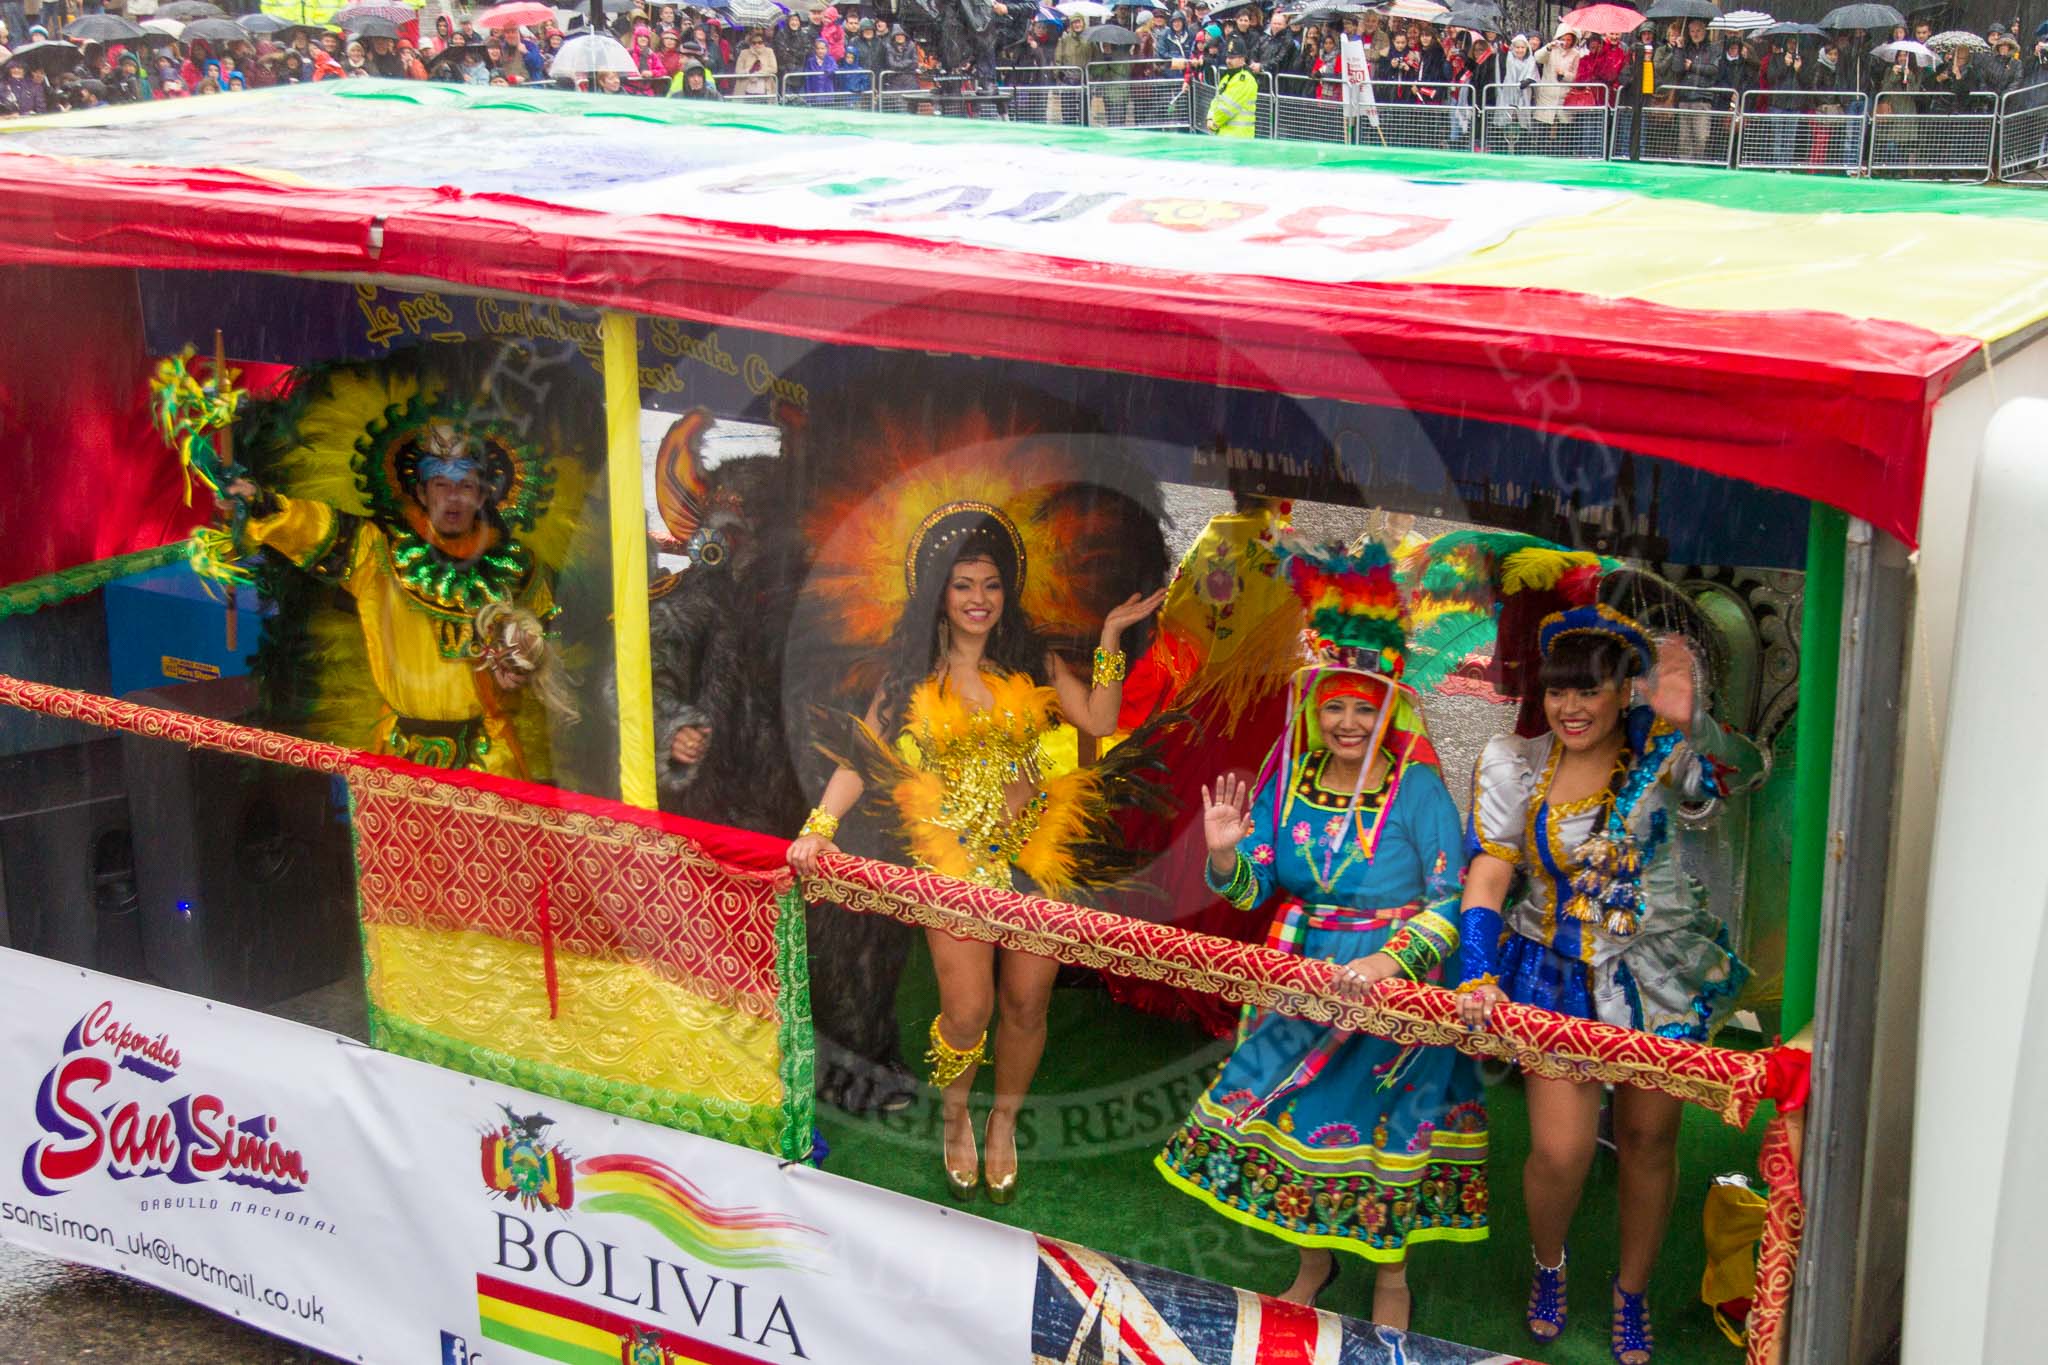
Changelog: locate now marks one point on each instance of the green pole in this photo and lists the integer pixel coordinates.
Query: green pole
(1820, 658)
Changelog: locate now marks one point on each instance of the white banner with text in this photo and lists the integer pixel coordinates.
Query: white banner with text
(383, 1210)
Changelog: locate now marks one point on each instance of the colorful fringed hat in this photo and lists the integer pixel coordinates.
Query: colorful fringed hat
(1356, 634)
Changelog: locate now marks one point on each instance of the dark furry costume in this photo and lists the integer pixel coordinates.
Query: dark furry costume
(716, 638)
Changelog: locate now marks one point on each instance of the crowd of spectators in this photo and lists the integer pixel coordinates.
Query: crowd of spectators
(851, 49)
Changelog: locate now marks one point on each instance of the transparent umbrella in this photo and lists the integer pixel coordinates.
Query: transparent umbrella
(590, 54)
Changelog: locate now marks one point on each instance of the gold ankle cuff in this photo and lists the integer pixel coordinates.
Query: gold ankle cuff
(949, 1063)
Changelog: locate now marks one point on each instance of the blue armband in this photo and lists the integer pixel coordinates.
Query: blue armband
(1480, 929)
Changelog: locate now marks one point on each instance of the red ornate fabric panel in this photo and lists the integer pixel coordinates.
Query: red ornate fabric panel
(455, 856)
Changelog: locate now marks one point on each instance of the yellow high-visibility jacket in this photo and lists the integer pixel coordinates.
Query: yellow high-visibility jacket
(1235, 111)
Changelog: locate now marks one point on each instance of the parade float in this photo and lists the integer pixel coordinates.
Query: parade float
(707, 362)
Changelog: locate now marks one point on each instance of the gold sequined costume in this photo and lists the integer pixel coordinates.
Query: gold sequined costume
(965, 771)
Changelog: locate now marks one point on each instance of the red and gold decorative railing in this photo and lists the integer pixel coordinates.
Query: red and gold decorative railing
(1731, 1084)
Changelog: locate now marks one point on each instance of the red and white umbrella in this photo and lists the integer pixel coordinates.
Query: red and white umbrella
(1606, 20)
(518, 14)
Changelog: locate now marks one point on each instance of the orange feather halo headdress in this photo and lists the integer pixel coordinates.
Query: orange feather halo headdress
(1078, 517)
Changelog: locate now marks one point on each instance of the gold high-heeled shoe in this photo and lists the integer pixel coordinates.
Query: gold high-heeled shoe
(962, 1184)
(1004, 1190)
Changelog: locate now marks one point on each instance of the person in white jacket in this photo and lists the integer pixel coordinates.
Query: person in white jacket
(1559, 67)
(1518, 77)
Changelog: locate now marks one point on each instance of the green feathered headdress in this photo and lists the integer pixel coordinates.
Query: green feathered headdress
(1457, 583)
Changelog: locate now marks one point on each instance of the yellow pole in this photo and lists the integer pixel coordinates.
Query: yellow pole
(629, 559)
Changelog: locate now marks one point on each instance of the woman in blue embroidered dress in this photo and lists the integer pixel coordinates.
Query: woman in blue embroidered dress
(1338, 1141)
(1575, 902)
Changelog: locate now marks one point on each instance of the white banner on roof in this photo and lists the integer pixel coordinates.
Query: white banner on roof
(387, 1211)
(1120, 210)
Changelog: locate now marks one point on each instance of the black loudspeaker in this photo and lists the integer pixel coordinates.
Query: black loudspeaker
(245, 868)
(67, 869)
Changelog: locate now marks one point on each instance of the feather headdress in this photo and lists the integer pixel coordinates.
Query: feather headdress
(1083, 521)
(1357, 633)
(1356, 616)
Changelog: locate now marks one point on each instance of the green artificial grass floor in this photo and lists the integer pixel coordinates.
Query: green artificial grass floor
(1114, 1085)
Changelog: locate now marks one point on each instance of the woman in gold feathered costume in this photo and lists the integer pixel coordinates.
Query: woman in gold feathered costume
(956, 737)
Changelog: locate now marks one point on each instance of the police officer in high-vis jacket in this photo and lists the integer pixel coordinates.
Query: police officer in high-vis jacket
(1235, 111)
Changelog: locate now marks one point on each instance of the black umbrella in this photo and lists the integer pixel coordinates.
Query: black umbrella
(1111, 35)
(1792, 31)
(1682, 9)
(103, 28)
(1861, 16)
(456, 52)
(263, 25)
(215, 31)
(47, 57)
(1480, 18)
(184, 11)
(373, 28)
(156, 37)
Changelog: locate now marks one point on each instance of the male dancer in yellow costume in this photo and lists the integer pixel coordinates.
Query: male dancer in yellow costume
(449, 600)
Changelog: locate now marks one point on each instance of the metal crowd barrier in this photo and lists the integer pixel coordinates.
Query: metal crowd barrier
(1300, 114)
(1923, 135)
(1697, 129)
(1046, 94)
(953, 96)
(1420, 115)
(814, 90)
(2023, 133)
(1821, 131)
(1138, 95)
(1900, 135)
(1523, 120)
(746, 89)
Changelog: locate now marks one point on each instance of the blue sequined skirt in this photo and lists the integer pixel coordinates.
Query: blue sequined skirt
(1695, 980)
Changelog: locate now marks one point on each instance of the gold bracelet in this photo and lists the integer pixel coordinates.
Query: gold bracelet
(820, 822)
(1109, 667)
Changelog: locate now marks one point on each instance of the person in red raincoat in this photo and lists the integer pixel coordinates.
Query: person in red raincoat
(1601, 65)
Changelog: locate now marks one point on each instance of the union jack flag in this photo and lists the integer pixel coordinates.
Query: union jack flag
(1092, 1309)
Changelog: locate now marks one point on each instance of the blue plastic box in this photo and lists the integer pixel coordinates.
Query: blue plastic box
(163, 627)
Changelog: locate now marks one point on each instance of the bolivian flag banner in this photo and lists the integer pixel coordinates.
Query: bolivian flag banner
(557, 1328)
(582, 949)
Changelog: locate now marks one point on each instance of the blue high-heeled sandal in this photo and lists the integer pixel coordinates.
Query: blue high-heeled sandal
(1546, 1298)
(1630, 1334)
